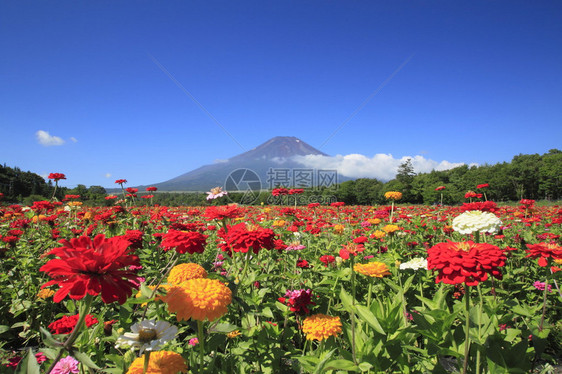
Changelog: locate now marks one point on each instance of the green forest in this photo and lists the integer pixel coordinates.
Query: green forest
(527, 176)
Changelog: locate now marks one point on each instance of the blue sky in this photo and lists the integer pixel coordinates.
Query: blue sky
(448, 81)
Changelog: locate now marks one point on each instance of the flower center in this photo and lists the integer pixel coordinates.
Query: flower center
(147, 335)
(464, 246)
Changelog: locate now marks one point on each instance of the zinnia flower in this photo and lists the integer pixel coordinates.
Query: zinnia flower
(393, 195)
(465, 262)
(183, 272)
(45, 293)
(321, 327)
(298, 300)
(160, 362)
(65, 324)
(327, 259)
(184, 241)
(389, 229)
(372, 269)
(148, 335)
(475, 220)
(241, 238)
(543, 251)
(223, 212)
(87, 266)
(215, 193)
(414, 264)
(66, 365)
(199, 299)
(540, 286)
(56, 176)
(351, 249)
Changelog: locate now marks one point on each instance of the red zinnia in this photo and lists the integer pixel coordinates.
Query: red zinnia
(471, 194)
(223, 212)
(465, 262)
(184, 241)
(544, 251)
(440, 188)
(351, 249)
(151, 189)
(327, 259)
(483, 185)
(134, 237)
(87, 266)
(298, 300)
(280, 191)
(66, 324)
(484, 206)
(57, 176)
(120, 181)
(241, 239)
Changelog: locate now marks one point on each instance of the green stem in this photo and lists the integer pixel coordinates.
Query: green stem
(146, 360)
(480, 307)
(201, 342)
(352, 260)
(70, 340)
(467, 330)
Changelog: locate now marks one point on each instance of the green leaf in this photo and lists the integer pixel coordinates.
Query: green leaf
(50, 353)
(48, 338)
(341, 365)
(83, 358)
(28, 364)
(346, 300)
(370, 318)
(518, 309)
(322, 362)
(223, 327)
(4, 328)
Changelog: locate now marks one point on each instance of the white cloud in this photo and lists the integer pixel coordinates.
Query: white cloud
(73, 139)
(46, 139)
(380, 166)
(108, 175)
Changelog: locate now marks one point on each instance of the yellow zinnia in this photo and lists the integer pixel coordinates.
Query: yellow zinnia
(374, 221)
(183, 272)
(161, 362)
(372, 269)
(338, 229)
(199, 299)
(45, 293)
(391, 228)
(279, 223)
(393, 195)
(378, 234)
(321, 327)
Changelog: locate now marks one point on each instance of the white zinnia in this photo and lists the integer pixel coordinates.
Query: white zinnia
(475, 220)
(148, 335)
(414, 264)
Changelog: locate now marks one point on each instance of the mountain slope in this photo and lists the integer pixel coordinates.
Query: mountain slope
(273, 156)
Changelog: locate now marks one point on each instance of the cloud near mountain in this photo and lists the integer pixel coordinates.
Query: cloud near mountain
(381, 166)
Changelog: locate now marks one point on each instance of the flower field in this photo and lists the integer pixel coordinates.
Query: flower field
(280, 289)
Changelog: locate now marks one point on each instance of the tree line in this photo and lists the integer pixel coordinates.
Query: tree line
(527, 176)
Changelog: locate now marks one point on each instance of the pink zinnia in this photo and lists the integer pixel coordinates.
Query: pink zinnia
(65, 366)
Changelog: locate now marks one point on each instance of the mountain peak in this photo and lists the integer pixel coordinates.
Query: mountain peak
(279, 147)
